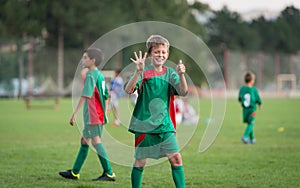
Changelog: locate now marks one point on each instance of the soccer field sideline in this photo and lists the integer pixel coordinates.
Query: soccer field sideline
(37, 143)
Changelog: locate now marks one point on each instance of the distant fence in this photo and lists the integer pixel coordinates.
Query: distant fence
(276, 74)
(15, 80)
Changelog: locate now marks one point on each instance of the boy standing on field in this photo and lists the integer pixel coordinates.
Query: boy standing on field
(94, 99)
(153, 119)
(249, 97)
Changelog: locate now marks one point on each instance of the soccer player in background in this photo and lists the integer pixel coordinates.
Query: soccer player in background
(249, 98)
(153, 119)
(94, 99)
(116, 91)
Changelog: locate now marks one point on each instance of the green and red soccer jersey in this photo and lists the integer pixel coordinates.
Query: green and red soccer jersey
(154, 110)
(249, 97)
(96, 92)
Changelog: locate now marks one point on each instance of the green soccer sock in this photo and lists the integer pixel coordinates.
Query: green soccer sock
(178, 176)
(251, 135)
(248, 130)
(102, 155)
(136, 177)
(81, 156)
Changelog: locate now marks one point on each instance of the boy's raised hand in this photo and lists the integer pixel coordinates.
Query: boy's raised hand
(139, 61)
(180, 68)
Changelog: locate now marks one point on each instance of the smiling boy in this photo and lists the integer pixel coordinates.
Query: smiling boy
(153, 119)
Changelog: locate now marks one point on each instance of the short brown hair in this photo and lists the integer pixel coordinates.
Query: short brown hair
(155, 40)
(248, 77)
(95, 53)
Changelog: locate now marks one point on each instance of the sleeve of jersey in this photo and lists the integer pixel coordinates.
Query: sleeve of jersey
(240, 96)
(258, 99)
(106, 93)
(88, 87)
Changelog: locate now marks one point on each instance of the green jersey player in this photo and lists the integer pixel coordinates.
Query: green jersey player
(249, 98)
(94, 99)
(153, 119)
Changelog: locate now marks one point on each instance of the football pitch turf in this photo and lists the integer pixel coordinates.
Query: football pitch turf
(36, 144)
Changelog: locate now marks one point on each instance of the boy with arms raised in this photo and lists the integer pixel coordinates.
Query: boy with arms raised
(94, 99)
(153, 119)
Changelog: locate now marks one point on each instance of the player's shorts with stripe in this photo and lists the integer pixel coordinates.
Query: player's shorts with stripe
(155, 146)
(248, 116)
(90, 131)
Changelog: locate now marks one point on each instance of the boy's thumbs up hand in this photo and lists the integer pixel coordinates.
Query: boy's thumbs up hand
(180, 68)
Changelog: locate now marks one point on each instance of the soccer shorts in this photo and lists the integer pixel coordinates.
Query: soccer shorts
(248, 116)
(155, 146)
(90, 131)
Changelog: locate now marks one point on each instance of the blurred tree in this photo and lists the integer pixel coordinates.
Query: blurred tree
(267, 30)
(19, 24)
(171, 11)
(288, 26)
(286, 41)
(200, 6)
(20, 18)
(227, 29)
(280, 34)
(77, 24)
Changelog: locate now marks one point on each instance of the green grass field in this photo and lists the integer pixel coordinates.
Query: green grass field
(36, 144)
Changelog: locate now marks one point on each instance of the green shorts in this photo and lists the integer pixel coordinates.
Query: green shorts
(248, 116)
(155, 146)
(90, 131)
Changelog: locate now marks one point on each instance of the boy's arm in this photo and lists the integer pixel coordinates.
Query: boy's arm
(240, 96)
(139, 62)
(79, 105)
(258, 99)
(106, 104)
(183, 87)
(130, 86)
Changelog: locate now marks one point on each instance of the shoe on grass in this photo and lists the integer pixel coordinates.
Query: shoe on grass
(253, 141)
(116, 122)
(245, 140)
(69, 175)
(106, 177)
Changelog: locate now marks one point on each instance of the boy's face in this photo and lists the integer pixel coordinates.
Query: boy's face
(87, 62)
(159, 55)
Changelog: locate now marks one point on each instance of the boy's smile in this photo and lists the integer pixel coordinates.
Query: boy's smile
(159, 55)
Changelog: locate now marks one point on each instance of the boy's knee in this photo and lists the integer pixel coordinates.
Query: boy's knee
(96, 140)
(140, 163)
(84, 141)
(175, 159)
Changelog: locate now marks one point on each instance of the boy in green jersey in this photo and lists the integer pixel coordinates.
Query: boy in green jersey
(249, 98)
(94, 99)
(153, 119)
